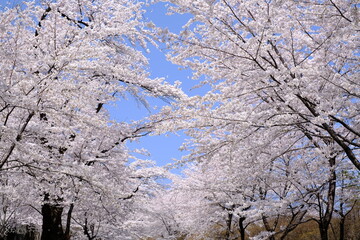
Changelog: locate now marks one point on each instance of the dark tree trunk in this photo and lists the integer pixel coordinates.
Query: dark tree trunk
(68, 222)
(52, 226)
(342, 228)
(323, 232)
(228, 225)
(324, 221)
(242, 228)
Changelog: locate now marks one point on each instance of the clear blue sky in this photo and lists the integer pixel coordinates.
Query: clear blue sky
(162, 148)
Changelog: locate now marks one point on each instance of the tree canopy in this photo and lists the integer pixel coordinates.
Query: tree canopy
(274, 144)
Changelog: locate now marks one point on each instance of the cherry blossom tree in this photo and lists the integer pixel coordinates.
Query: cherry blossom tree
(62, 62)
(284, 78)
(282, 58)
(231, 190)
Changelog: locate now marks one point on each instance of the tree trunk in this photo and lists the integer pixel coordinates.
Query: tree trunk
(325, 220)
(242, 228)
(228, 225)
(323, 231)
(52, 226)
(342, 228)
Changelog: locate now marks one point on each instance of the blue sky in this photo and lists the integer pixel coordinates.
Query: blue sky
(162, 148)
